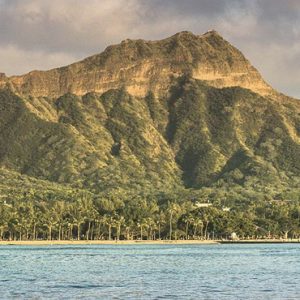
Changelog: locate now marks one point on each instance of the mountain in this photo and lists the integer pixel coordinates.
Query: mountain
(146, 65)
(188, 111)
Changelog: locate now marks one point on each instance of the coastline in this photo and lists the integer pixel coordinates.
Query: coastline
(104, 242)
(262, 241)
(144, 242)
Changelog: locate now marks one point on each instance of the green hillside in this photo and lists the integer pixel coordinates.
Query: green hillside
(198, 137)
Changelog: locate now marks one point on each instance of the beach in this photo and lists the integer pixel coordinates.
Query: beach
(144, 242)
(106, 242)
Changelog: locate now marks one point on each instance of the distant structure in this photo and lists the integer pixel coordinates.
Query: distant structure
(226, 209)
(199, 205)
(234, 236)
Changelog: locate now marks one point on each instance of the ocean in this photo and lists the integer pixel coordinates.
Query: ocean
(256, 271)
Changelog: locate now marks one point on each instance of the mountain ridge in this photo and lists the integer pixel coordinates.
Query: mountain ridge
(184, 52)
(186, 112)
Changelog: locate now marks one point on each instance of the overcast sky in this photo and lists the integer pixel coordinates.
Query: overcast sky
(42, 34)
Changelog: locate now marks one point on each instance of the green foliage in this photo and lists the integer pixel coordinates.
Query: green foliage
(231, 146)
(127, 215)
(230, 136)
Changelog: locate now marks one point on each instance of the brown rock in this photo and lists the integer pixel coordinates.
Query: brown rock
(147, 65)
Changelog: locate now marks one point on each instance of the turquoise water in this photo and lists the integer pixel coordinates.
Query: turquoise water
(150, 272)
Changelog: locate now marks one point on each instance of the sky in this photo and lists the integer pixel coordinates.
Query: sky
(43, 34)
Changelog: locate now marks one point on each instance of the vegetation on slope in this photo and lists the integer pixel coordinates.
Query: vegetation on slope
(114, 165)
(125, 215)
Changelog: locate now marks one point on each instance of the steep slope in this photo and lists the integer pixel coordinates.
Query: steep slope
(233, 133)
(98, 141)
(187, 111)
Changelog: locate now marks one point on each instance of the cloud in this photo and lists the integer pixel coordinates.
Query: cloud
(71, 25)
(29, 59)
(38, 34)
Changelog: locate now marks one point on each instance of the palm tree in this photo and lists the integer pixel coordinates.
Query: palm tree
(206, 221)
(118, 221)
(129, 229)
(58, 210)
(34, 221)
(197, 223)
(99, 221)
(90, 217)
(172, 209)
(77, 215)
(50, 220)
(5, 214)
(141, 225)
(187, 219)
(160, 221)
(109, 221)
(148, 225)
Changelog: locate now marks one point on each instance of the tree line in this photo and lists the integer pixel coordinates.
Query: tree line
(88, 218)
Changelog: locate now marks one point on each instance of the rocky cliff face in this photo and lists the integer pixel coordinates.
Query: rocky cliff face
(3, 80)
(145, 65)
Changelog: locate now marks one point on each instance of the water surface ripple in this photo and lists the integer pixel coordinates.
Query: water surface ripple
(150, 272)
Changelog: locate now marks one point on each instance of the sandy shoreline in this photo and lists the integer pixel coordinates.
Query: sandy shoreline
(125, 242)
(144, 242)
(270, 241)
